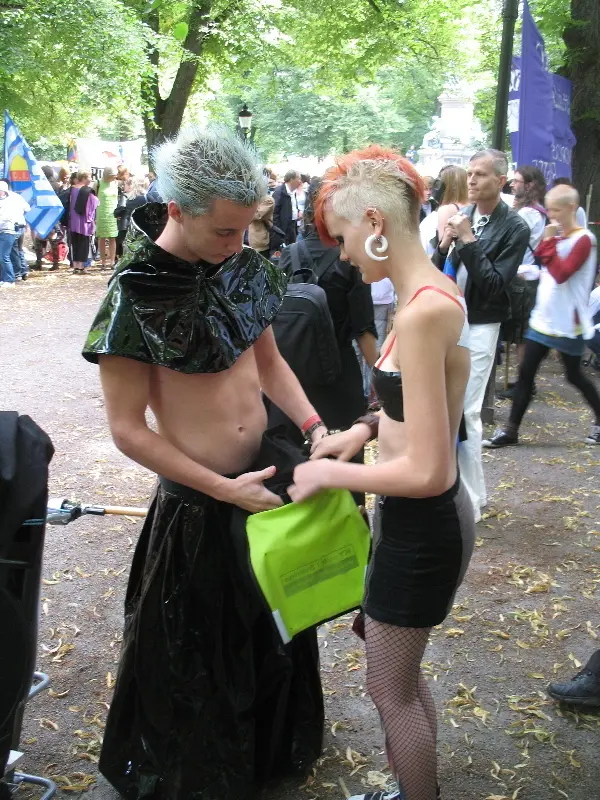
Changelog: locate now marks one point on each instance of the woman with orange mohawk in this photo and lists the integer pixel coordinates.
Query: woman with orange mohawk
(369, 204)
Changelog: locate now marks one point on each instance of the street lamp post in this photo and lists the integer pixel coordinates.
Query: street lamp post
(510, 13)
(245, 127)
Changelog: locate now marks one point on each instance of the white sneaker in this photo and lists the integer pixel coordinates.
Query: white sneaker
(396, 794)
(8, 285)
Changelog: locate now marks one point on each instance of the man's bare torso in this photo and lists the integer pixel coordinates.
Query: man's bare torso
(217, 420)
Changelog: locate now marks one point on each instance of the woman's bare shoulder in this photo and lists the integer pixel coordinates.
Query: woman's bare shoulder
(435, 313)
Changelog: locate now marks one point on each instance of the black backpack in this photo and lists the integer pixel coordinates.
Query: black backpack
(303, 327)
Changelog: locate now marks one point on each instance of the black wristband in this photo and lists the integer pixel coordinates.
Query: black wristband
(309, 431)
(372, 422)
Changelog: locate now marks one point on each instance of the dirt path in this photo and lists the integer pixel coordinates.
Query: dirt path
(528, 611)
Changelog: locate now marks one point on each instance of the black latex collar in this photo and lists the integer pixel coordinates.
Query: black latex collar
(193, 318)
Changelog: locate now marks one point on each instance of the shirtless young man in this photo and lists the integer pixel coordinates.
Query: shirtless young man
(185, 331)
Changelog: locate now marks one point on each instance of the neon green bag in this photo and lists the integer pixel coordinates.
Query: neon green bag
(310, 559)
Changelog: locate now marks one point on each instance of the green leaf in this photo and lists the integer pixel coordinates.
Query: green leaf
(152, 6)
(180, 31)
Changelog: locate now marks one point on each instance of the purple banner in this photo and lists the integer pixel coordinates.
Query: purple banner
(539, 108)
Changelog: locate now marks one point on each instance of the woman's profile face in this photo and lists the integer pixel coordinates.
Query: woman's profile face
(351, 239)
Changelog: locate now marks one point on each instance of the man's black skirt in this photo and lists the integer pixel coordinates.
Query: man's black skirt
(208, 702)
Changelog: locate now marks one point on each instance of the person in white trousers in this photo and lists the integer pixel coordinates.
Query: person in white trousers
(482, 248)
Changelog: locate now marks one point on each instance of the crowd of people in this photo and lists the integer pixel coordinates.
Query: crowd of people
(527, 265)
(424, 277)
(92, 227)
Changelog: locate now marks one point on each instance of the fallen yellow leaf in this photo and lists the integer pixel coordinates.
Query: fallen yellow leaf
(52, 693)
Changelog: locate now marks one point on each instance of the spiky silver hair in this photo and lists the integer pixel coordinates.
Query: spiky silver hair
(199, 166)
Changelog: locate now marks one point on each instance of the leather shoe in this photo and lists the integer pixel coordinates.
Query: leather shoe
(582, 690)
(509, 394)
(500, 439)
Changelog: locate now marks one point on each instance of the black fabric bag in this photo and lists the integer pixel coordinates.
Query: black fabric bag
(303, 327)
(82, 198)
(25, 452)
(65, 198)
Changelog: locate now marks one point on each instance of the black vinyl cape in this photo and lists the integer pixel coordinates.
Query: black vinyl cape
(193, 318)
(208, 703)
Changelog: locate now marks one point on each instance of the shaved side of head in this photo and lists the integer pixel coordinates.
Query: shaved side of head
(563, 195)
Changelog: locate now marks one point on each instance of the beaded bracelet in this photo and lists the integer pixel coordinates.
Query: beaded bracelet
(314, 427)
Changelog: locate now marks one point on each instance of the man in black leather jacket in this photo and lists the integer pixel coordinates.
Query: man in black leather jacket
(482, 248)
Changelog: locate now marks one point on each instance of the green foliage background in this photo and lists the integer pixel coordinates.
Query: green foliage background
(65, 63)
(319, 75)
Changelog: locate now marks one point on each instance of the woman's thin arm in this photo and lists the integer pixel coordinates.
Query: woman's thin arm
(444, 214)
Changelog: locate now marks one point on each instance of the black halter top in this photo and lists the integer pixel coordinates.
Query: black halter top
(388, 385)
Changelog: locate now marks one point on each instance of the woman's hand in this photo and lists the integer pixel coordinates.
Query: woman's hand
(310, 478)
(342, 445)
(447, 239)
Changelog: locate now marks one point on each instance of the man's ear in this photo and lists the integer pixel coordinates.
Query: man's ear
(502, 180)
(174, 211)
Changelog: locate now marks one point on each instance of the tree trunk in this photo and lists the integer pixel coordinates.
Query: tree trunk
(583, 43)
(153, 102)
(165, 115)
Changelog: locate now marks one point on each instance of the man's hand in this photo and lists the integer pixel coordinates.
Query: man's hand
(461, 228)
(249, 493)
(342, 445)
(309, 479)
(551, 230)
(318, 435)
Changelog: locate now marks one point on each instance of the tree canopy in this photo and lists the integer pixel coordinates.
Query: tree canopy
(378, 62)
(318, 74)
(345, 43)
(296, 115)
(65, 62)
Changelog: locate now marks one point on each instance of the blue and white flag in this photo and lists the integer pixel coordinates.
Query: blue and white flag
(25, 176)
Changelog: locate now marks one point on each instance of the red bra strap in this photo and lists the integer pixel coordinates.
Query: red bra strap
(388, 351)
(416, 294)
(439, 291)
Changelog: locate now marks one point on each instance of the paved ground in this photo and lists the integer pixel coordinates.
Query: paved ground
(528, 611)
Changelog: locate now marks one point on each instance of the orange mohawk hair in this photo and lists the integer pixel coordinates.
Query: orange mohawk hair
(333, 179)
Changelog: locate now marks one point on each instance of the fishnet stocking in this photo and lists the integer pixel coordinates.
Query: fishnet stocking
(404, 702)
